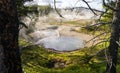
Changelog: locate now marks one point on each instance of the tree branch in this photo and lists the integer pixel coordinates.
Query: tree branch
(99, 24)
(109, 6)
(57, 10)
(102, 14)
(89, 6)
(97, 36)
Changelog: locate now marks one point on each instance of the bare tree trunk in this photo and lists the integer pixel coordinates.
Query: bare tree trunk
(2, 65)
(113, 47)
(9, 50)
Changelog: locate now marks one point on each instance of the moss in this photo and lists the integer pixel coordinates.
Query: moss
(36, 59)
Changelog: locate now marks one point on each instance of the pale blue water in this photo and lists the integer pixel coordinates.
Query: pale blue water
(62, 43)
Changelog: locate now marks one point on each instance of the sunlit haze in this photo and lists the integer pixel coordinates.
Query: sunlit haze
(96, 4)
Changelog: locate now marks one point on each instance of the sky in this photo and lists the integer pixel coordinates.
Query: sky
(96, 4)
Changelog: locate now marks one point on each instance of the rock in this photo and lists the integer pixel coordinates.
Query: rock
(59, 65)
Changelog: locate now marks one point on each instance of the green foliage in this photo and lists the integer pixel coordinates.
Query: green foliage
(81, 22)
(23, 43)
(37, 59)
(107, 17)
(44, 10)
(86, 30)
(32, 9)
(21, 8)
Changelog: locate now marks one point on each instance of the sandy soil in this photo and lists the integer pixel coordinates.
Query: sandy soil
(67, 30)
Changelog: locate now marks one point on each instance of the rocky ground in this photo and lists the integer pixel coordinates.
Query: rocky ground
(66, 30)
(46, 27)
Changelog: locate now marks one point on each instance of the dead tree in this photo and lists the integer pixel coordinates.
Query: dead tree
(114, 41)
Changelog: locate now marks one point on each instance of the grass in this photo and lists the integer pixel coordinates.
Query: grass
(81, 22)
(94, 29)
(36, 59)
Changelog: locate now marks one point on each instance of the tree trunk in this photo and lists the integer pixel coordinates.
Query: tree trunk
(113, 47)
(10, 61)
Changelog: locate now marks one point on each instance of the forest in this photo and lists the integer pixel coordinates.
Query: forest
(44, 36)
